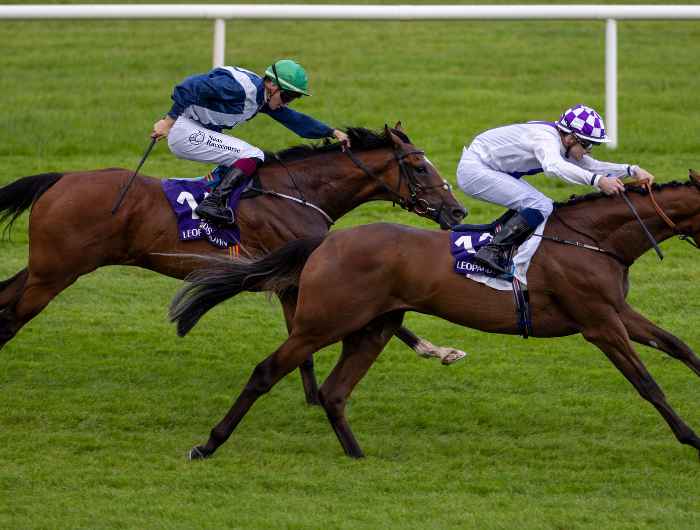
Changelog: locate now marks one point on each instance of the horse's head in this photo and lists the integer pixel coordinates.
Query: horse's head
(416, 183)
(679, 207)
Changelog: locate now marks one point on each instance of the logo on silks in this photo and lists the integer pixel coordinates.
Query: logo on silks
(196, 137)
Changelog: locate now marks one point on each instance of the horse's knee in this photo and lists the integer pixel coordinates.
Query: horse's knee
(333, 404)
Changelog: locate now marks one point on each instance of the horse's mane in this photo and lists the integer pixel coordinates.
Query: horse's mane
(360, 138)
(577, 199)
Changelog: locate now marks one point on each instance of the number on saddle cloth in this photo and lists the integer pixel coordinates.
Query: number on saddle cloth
(185, 194)
(466, 240)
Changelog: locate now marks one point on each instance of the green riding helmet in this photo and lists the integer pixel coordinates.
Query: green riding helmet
(289, 75)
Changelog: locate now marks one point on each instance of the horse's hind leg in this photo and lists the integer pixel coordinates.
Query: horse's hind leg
(34, 296)
(10, 291)
(360, 349)
(646, 332)
(266, 374)
(611, 337)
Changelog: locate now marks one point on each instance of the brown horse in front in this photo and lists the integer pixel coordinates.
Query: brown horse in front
(72, 232)
(358, 283)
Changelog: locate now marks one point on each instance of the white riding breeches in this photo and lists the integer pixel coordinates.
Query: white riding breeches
(189, 140)
(478, 180)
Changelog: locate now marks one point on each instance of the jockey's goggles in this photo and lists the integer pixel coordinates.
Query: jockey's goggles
(586, 144)
(288, 96)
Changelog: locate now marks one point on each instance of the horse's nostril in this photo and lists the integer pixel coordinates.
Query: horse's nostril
(459, 213)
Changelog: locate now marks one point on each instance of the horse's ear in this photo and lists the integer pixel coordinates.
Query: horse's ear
(398, 126)
(391, 136)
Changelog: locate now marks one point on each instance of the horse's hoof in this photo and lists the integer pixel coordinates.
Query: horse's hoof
(198, 453)
(453, 357)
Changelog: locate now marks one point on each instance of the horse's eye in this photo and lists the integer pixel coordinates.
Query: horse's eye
(422, 170)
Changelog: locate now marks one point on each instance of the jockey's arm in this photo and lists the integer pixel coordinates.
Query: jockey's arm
(301, 124)
(548, 154)
(615, 170)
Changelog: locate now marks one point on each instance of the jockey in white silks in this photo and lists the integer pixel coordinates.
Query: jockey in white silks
(206, 104)
(493, 167)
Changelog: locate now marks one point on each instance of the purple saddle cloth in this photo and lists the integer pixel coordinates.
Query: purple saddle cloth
(465, 242)
(185, 194)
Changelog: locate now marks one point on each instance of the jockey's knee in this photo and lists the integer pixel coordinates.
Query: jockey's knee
(254, 152)
(535, 216)
(541, 207)
(248, 165)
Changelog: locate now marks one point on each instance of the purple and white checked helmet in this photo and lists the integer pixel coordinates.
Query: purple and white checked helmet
(584, 122)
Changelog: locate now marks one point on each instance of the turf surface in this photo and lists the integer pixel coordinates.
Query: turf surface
(99, 400)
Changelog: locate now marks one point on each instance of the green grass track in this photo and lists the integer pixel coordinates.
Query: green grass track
(99, 400)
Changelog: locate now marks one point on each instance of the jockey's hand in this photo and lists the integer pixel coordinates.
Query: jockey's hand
(161, 128)
(611, 185)
(341, 137)
(642, 174)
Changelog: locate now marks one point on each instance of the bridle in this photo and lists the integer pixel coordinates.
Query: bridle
(682, 234)
(412, 203)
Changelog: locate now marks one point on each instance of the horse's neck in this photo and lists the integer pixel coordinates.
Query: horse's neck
(331, 181)
(613, 226)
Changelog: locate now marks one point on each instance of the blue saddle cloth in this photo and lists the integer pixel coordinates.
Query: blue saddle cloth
(185, 194)
(465, 242)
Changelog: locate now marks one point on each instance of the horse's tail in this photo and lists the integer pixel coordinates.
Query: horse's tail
(19, 195)
(278, 271)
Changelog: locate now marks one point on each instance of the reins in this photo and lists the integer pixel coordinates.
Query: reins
(578, 244)
(412, 204)
(299, 200)
(650, 237)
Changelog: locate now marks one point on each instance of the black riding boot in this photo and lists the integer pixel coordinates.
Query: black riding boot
(213, 207)
(495, 255)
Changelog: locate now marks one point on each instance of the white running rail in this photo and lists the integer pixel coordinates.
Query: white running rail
(220, 13)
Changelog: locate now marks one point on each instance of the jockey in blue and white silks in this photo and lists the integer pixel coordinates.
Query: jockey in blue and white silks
(493, 166)
(204, 105)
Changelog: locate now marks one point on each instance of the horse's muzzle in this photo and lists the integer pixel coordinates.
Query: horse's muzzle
(451, 216)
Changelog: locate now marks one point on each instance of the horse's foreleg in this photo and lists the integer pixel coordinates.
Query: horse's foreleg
(646, 332)
(266, 374)
(360, 349)
(611, 337)
(427, 349)
(306, 370)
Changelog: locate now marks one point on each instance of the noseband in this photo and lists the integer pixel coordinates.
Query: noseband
(412, 203)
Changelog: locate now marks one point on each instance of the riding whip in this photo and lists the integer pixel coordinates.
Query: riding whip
(646, 230)
(131, 180)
